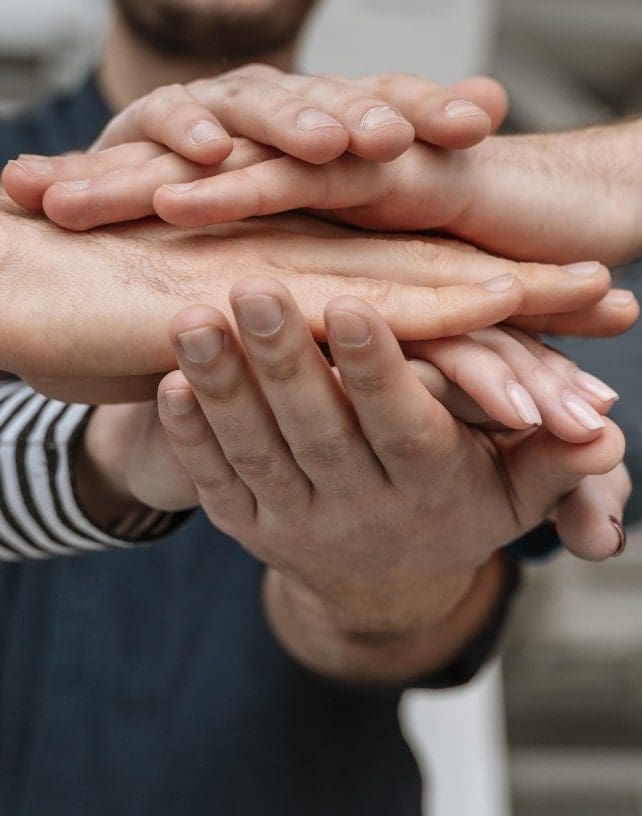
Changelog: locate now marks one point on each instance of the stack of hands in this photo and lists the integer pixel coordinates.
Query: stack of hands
(345, 403)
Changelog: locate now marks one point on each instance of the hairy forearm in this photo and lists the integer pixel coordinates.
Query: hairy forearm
(446, 615)
(558, 197)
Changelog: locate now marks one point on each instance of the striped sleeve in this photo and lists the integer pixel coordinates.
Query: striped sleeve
(39, 514)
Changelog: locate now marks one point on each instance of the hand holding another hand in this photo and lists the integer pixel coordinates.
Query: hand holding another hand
(374, 508)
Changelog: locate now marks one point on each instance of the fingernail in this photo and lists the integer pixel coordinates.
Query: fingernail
(35, 166)
(180, 401)
(580, 410)
(523, 403)
(201, 345)
(75, 186)
(204, 132)
(180, 188)
(349, 329)
(583, 270)
(261, 314)
(595, 386)
(500, 284)
(381, 117)
(313, 118)
(620, 297)
(462, 109)
(621, 534)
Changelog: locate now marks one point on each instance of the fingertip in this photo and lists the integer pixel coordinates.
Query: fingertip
(195, 317)
(63, 205)
(24, 188)
(207, 143)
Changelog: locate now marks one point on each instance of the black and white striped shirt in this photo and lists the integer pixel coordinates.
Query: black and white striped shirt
(39, 513)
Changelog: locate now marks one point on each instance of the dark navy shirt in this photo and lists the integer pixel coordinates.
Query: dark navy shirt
(146, 682)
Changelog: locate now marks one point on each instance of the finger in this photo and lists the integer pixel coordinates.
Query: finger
(613, 315)
(565, 412)
(482, 374)
(600, 395)
(438, 263)
(218, 371)
(489, 94)
(275, 186)
(312, 413)
(126, 193)
(172, 117)
(451, 396)
(27, 179)
(412, 312)
(543, 469)
(408, 430)
(589, 520)
(313, 118)
(222, 493)
(154, 473)
(451, 118)
(267, 112)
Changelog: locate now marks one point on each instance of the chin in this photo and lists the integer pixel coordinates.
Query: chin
(214, 29)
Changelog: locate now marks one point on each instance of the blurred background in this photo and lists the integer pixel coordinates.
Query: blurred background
(564, 736)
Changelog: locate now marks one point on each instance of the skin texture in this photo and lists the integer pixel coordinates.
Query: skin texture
(354, 642)
(142, 274)
(316, 119)
(382, 595)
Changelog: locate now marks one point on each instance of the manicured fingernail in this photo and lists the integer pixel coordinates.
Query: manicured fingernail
(204, 132)
(381, 117)
(261, 314)
(500, 284)
(180, 188)
(75, 186)
(314, 118)
(583, 270)
(349, 329)
(201, 345)
(621, 536)
(462, 109)
(595, 386)
(580, 410)
(35, 166)
(620, 297)
(523, 403)
(180, 401)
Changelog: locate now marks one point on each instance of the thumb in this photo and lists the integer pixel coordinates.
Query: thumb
(589, 519)
(542, 469)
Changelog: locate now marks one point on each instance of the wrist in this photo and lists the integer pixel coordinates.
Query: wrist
(391, 644)
(100, 468)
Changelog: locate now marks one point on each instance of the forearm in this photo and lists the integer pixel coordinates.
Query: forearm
(559, 197)
(447, 614)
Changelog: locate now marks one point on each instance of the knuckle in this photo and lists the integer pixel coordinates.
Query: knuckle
(327, 448)
(368, 382)
(257, 70)
(188, 435)
(409, 444)
(282, 370)
(253, 463)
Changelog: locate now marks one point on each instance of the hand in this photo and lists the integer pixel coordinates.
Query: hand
(303, 478)
(353, 495)
(259, 102)
(559, 198)
(123, 286)
(128, 460)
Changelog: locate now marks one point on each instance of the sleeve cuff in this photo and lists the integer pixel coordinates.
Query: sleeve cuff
(39, 514)
(482, 646)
